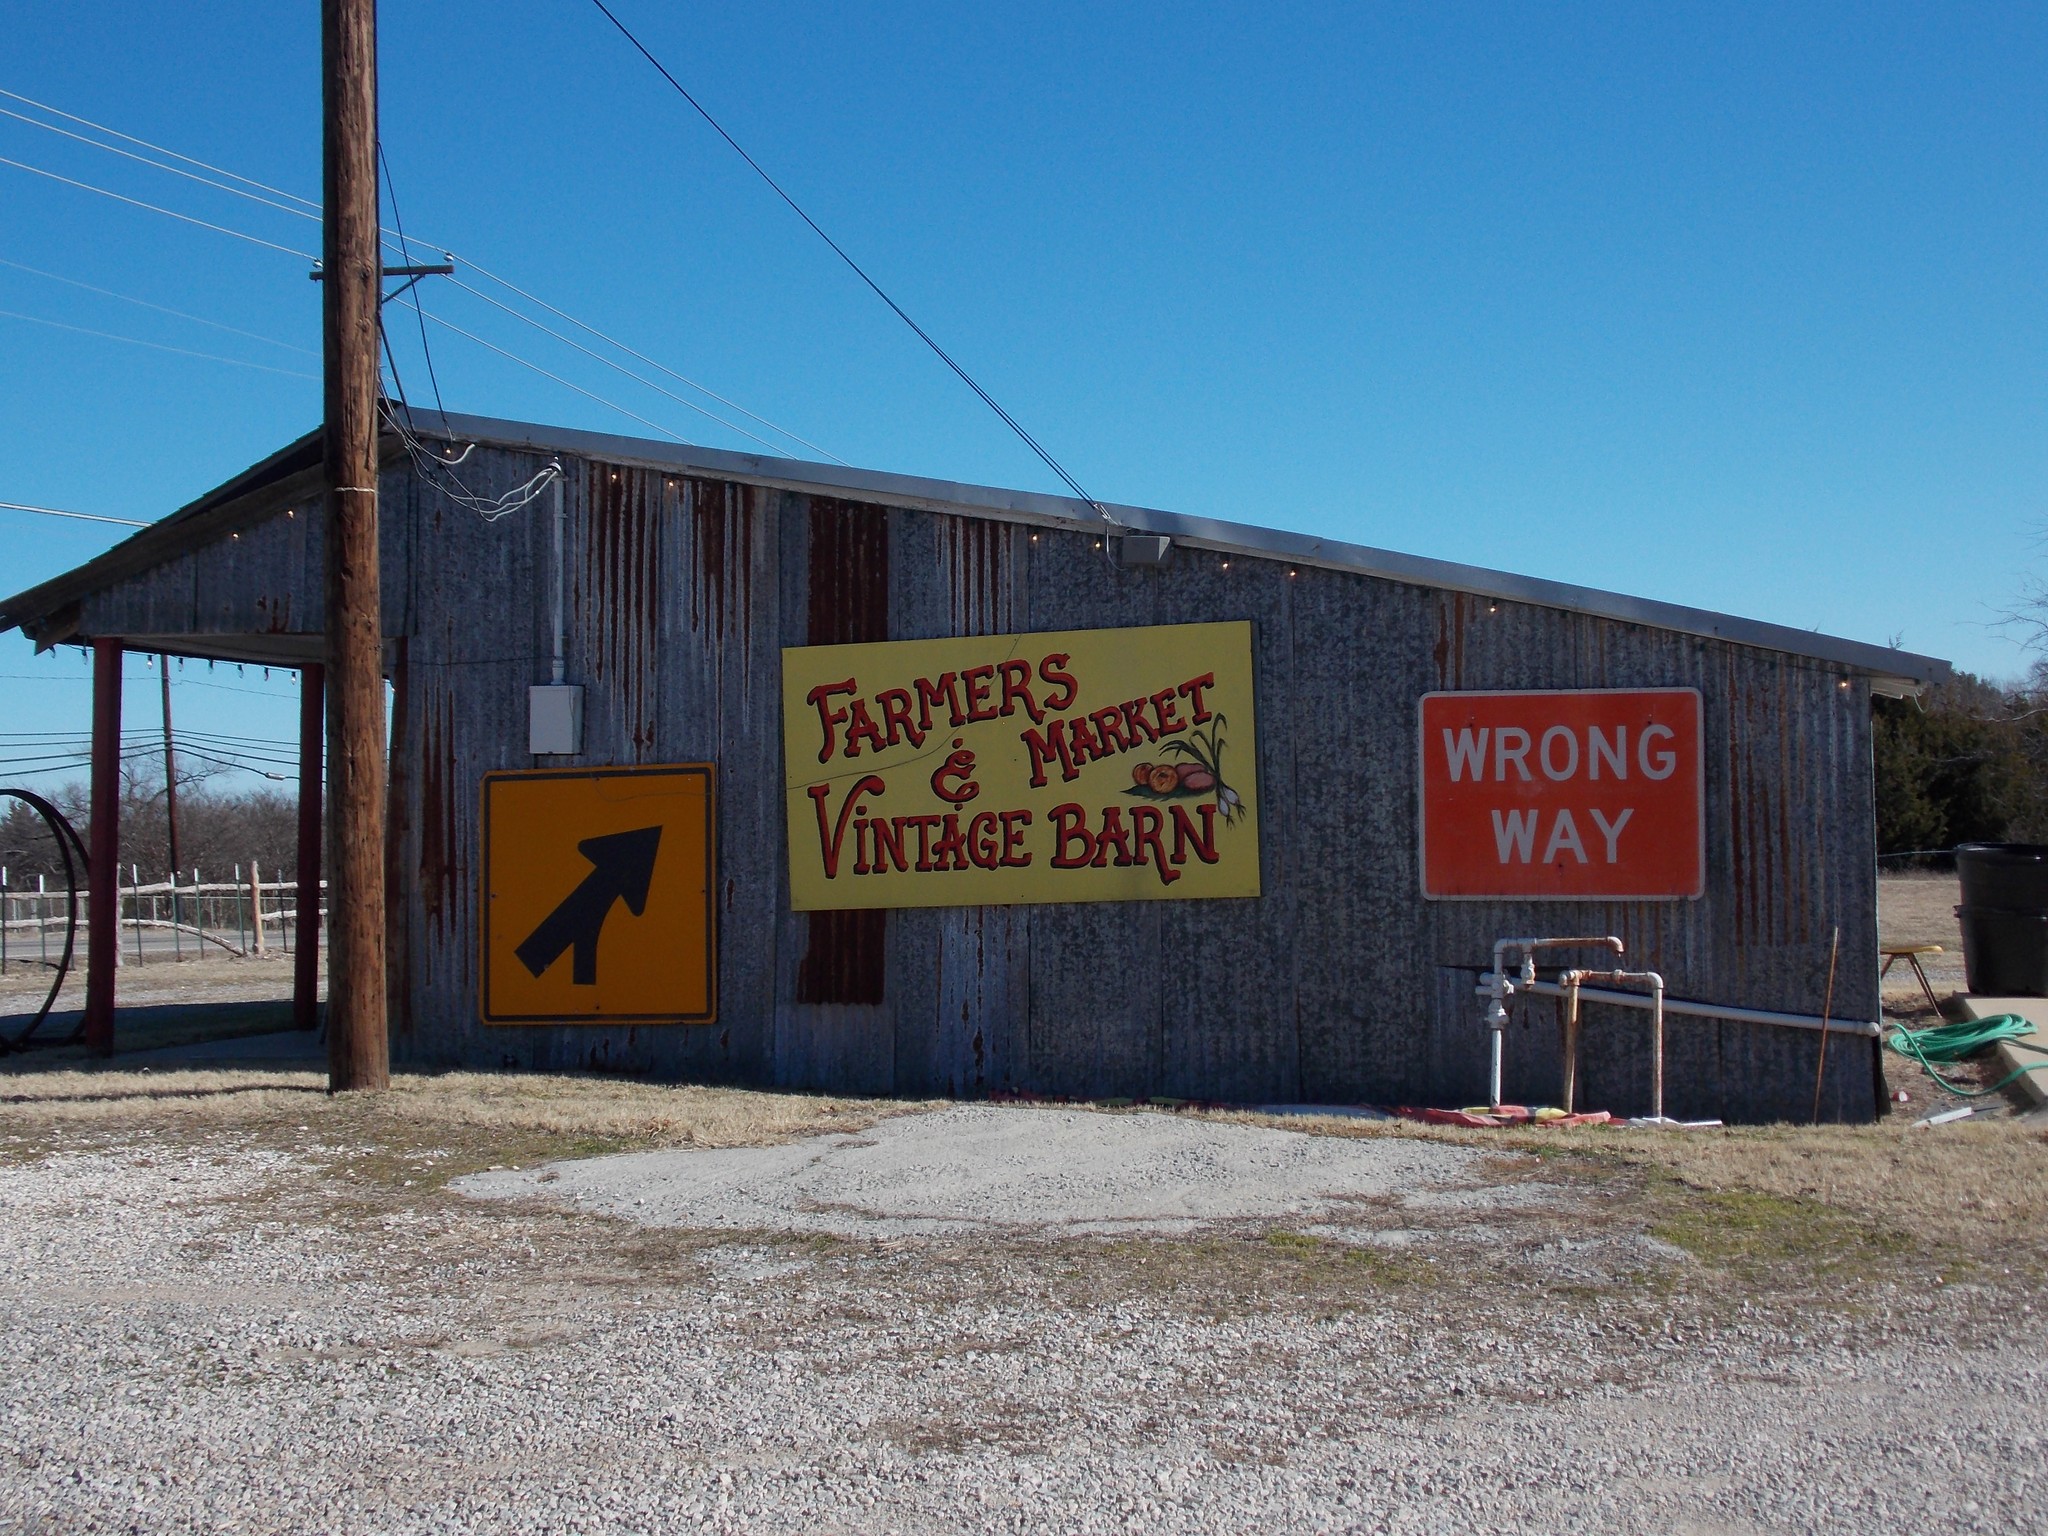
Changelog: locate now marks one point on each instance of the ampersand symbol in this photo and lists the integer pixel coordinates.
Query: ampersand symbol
(958, 769)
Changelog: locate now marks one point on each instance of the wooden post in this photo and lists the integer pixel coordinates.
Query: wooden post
(103, 878)
(163, 662)
(256, 906)
(306, 939)
(358, 1048)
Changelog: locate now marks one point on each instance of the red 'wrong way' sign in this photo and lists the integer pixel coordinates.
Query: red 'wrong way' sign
(1572, 795)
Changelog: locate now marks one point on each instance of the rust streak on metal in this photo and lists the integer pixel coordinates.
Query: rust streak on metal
(721, 520)
(710, 507)
(438, 823)
(1738, 812)
(849, 569)
(621, 607)
(845, 955)
(975, 558)
(397, 823)
(1791, 848)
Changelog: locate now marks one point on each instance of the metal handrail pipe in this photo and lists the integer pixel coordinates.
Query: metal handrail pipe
(1869, 1029)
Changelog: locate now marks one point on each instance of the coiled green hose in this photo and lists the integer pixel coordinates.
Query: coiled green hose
(1953, 1042)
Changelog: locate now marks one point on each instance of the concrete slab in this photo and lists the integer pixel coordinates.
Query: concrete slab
(2031, 1050)
(1018, 1168)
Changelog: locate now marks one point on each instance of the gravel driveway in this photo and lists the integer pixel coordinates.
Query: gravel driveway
(227, 1331)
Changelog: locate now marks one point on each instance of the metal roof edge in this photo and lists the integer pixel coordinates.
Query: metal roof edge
(1235, 538)
(256, 493)
(264, 487)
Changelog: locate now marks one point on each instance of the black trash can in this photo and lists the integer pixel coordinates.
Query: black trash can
(2004, 918)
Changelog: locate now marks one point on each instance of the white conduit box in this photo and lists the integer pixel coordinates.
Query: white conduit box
(554, 720)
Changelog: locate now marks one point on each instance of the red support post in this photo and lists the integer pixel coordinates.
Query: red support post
(306, 953)
(103, 877)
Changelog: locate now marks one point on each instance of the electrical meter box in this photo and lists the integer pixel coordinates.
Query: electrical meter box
(554, 725)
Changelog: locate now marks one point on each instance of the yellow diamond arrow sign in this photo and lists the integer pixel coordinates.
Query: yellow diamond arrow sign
(597, 890)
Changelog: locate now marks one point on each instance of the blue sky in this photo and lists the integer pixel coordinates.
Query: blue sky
(1741, 307)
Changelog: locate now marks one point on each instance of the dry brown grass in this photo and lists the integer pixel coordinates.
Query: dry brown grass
(1920, 909)
(619, 1113)
(1810, 1199)
(1976, 1187)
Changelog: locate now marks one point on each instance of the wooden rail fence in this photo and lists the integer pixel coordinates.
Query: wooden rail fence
(174, 918)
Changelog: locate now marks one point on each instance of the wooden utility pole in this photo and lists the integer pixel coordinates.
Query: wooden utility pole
(358, 1049)
(170, 773)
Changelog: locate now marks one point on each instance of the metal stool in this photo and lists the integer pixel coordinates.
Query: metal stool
(1911, 953)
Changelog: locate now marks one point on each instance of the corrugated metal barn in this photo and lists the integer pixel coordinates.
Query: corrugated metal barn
(686, 572)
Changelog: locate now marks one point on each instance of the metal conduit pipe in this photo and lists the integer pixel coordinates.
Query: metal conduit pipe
(558, 671)
(1499, 987)
(1697, 1010)
(1570, 982)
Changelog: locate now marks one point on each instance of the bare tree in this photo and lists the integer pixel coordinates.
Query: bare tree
(218, 828)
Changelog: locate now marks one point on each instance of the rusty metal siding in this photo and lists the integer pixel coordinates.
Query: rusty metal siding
(1791, 855)
(472, 649)
(1361, 659)
(1338, 984)
(675, 645)
(845, 954)
(960, 981)
(1229, 972)
(264, 580)
(1096, 1006)
(830, 1006)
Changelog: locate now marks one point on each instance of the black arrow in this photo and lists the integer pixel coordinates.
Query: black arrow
(621, 869)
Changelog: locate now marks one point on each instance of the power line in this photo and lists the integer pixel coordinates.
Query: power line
(129, 298)
(183, 218)
(131, 139)
(536, 367)
(145, 749)
(126, 154)
(569, 341)
(613, 341)
(418, 309)
(309, 203)
(252, 742)
(83, 517)
(965, 377)
(137, 341)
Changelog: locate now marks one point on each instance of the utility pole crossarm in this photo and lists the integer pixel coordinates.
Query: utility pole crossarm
(411, 275)
(441, 269)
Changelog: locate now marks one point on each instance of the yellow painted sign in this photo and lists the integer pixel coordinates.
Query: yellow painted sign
(598, 896)
(1086, 765)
